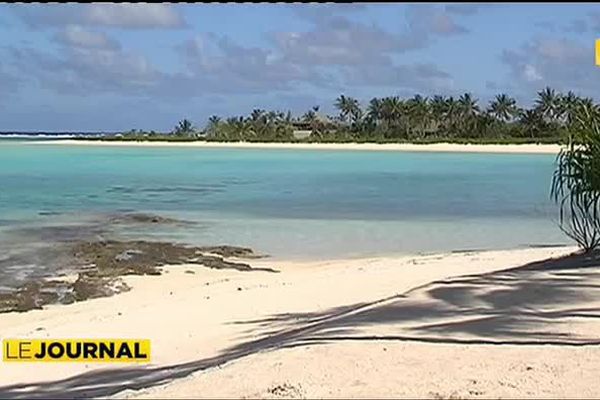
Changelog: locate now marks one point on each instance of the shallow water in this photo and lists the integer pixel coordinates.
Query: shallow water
(306, 204)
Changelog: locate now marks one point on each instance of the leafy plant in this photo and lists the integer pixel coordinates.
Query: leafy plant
(576, 181)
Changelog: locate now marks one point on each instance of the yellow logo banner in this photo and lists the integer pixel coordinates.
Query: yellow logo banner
(76, 350)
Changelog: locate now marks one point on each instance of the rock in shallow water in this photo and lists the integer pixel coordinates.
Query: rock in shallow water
(141, 218)
(127, 255)
(229, 251)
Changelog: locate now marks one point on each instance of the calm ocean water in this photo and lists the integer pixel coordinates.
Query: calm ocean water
(288, 203)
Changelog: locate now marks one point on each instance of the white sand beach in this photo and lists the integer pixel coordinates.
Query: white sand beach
(448, 325)
(309, 201)
(436, 147)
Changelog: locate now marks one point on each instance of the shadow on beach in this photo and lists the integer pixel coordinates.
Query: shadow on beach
(551, 302)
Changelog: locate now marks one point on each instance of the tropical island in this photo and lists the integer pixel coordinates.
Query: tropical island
(390, 120)
(495, 323)
(323, 201)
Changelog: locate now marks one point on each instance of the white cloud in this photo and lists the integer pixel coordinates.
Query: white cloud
(558, 62)
(427, 19)
(559, 50)
(334, 52)
(136, 15)
(217, 63)
(133, 16)
(86, 62)
(75, 35)
(468, 8)
(337, 40)
(531, 73)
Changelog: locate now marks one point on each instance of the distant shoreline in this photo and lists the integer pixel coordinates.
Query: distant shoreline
(434, 147)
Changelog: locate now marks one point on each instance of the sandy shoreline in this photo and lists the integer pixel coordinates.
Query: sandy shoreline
(393, 327)
(436, 147)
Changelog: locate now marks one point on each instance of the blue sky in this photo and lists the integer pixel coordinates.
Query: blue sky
(114, 67)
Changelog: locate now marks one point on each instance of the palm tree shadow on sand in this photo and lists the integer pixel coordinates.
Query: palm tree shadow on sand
(551, 302)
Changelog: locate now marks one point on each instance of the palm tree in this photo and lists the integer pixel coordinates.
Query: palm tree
(243, 130)
(587, 102)
(567, 106)
(348, 106)
(453, 115)
(467, 105)
(532, 122)
(356, 113)
(214, 120)
(311, 117)
(391, 110)
(485, 124)
(184, 127)
(375, 110)
(547, 104)
(503, 108)
(576, 181)
(418, 113)
(439, 107)
(341, 103)
(256, 115)
(467, 109)
(213, 125)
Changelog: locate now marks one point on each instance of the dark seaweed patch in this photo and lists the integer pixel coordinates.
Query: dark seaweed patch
(99, 263)
(102, 263)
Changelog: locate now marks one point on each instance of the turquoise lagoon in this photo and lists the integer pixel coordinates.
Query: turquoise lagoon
(291, 204)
